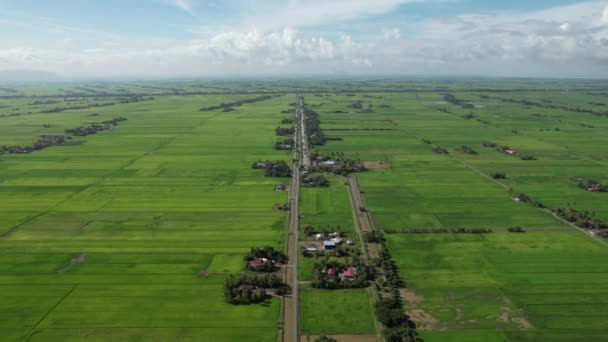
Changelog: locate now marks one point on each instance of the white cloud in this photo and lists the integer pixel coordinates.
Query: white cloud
(184, 5)
(391, 34)
(552, 42)
(271, 15)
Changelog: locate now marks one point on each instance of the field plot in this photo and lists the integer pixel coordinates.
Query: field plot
(129, 233)
(528, 286)
(322, 311)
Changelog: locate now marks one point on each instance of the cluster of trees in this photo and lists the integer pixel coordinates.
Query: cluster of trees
(309, 230)
(342, 167)
(91, 105)
(313, 128)
(516, 230)
(527, 157)
(356, 105)
(373, 237)
(326, 275)
(228, 106)
(285, 131)
(249, 288)
(450, 98)
(582, 218)
(470, 116)
(285, 145)
(591, 185)
(115, 121)
(508, 150)
(324, 338)
(136, 99)
(41, 102)
(359, 106)
(521, 197)
(556, 129)
(440, 150)
(440, 231)
(315, 181)
(87, 130)
(287, 121)
(277, 168)
(505, 149)
(499, 175)
(466, 149)
(270, 253)
(43, 142)
(547, 104)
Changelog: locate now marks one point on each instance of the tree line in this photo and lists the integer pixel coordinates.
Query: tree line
(48, 140)
(228, 106)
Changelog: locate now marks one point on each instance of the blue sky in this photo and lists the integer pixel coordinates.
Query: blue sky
(557, 38)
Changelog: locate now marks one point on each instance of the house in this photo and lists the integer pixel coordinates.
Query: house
(260, 165)
(349, 273)
(311, 250)
(280, 187)
(257, 264)
(331, 272)
(334, 235)
(329, 163)
(329, 245)
(593, 187)
(337, 240)
(320, 237)
(350, 242)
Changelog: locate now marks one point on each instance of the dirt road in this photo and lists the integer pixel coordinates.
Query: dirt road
(363, 223)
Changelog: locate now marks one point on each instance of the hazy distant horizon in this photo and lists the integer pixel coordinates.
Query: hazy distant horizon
(179, 38)
(56, 78)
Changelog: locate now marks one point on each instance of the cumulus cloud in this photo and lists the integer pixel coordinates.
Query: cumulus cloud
(570, 38)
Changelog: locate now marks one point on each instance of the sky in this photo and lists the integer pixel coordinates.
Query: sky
(193, 38)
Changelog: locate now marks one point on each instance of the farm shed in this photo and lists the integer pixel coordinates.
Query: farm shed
(329, 245)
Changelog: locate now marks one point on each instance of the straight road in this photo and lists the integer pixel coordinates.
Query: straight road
(300, 149)
(363, 223)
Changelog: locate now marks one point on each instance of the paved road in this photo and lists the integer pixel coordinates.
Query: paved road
(291, 310)
(303, 136)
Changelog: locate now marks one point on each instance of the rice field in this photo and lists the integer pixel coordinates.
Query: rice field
(128, 234)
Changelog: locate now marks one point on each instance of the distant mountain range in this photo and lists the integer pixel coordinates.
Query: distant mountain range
(26, 76)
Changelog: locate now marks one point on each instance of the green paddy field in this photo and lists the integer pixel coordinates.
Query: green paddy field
(128, 234)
